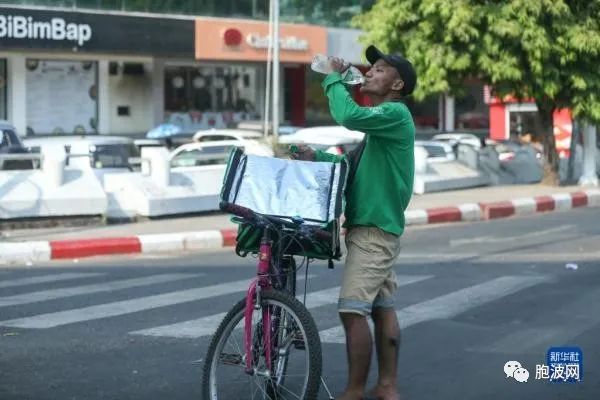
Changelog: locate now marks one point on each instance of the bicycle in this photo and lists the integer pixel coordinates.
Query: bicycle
(275, 326)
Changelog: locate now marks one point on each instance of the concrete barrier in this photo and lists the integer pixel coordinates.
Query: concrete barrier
(449, 175)
(53, 191)
(159, 191)
(77, 190)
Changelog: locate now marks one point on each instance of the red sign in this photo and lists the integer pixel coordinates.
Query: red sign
(232, 37)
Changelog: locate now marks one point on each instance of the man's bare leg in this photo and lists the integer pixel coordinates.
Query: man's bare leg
(387, 344)
(358, 349)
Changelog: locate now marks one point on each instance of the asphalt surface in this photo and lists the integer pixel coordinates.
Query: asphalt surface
(473, 296)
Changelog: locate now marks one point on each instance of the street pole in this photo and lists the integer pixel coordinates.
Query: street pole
(589, 177)
(275, 41)
(267, 116)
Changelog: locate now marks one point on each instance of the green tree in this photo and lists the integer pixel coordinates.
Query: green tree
(548, 50)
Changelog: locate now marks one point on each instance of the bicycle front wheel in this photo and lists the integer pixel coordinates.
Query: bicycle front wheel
(295, 351)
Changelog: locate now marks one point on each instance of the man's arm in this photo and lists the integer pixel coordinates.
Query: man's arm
(306, 153)
(321, 155)
(380, 120)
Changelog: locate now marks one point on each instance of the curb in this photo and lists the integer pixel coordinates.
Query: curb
(40, 251)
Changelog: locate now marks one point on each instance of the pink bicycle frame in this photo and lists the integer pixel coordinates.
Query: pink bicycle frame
(252, 300)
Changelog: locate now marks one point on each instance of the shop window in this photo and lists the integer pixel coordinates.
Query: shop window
(471, 112)
(61, 97)
(3, 102)
(206, 97)
(525, 123)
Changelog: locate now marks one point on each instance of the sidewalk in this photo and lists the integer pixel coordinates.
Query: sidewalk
(214, 230)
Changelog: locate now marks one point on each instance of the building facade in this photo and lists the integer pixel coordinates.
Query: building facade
(123, 67)
(70, 72)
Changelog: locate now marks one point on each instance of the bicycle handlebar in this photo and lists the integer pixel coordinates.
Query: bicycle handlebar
(323, 234)
(237, 210)
(251, 216)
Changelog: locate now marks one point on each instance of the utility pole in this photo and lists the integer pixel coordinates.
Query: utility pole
(589, 176)
(275, 42)
(267, 116)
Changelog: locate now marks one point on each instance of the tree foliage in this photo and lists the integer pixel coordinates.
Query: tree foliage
(548, 50)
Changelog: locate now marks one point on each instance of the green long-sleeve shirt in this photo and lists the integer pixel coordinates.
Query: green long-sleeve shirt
(383, 183)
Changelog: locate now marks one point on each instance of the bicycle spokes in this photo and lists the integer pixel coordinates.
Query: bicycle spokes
(280, 356)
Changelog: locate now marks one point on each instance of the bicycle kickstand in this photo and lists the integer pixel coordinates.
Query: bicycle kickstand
(327, 389)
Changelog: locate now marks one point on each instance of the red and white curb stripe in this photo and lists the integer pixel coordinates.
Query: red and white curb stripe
(39, 251)
(532, 205)
(30, 252)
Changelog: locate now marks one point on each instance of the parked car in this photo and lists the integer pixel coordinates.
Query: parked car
(203, 153)
(453, 139)
(332, 139)
(259, 126)
(100, 151)
(436, 151)
(140, 143)
(10, 143)
(250, 140)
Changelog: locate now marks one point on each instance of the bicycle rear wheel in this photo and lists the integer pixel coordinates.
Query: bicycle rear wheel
(295, 354)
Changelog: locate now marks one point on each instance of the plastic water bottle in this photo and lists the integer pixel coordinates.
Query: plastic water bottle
(321, 64)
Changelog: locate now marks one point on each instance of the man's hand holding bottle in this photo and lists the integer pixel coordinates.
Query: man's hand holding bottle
(338, 64)
(302, 152)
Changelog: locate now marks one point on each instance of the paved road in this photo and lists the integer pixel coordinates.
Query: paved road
(472, 297)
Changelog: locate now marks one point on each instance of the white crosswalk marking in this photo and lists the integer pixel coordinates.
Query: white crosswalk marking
(125, 307)
(46, 279)
(51, 320)
(450, 305)
(53, 294)
(207, 326)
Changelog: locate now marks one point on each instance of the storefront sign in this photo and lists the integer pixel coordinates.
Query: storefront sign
(246, 40)
(23, 28)
(287, 43)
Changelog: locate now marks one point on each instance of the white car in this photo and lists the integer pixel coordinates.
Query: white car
(333, 139)
(436, 151)
(203, 153)
(99, 151)
(458, 138)
(259, 126)
(250, 140)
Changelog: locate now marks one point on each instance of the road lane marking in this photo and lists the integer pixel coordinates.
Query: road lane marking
(509, 239)
(50, 320)
(207, 326)
(53, 294)
(46, 279)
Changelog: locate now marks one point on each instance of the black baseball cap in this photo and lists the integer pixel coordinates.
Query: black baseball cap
(402, 65)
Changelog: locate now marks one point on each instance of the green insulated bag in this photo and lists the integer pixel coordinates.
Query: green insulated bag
(287, 189)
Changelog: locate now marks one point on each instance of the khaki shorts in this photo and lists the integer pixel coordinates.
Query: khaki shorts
(369, 280)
